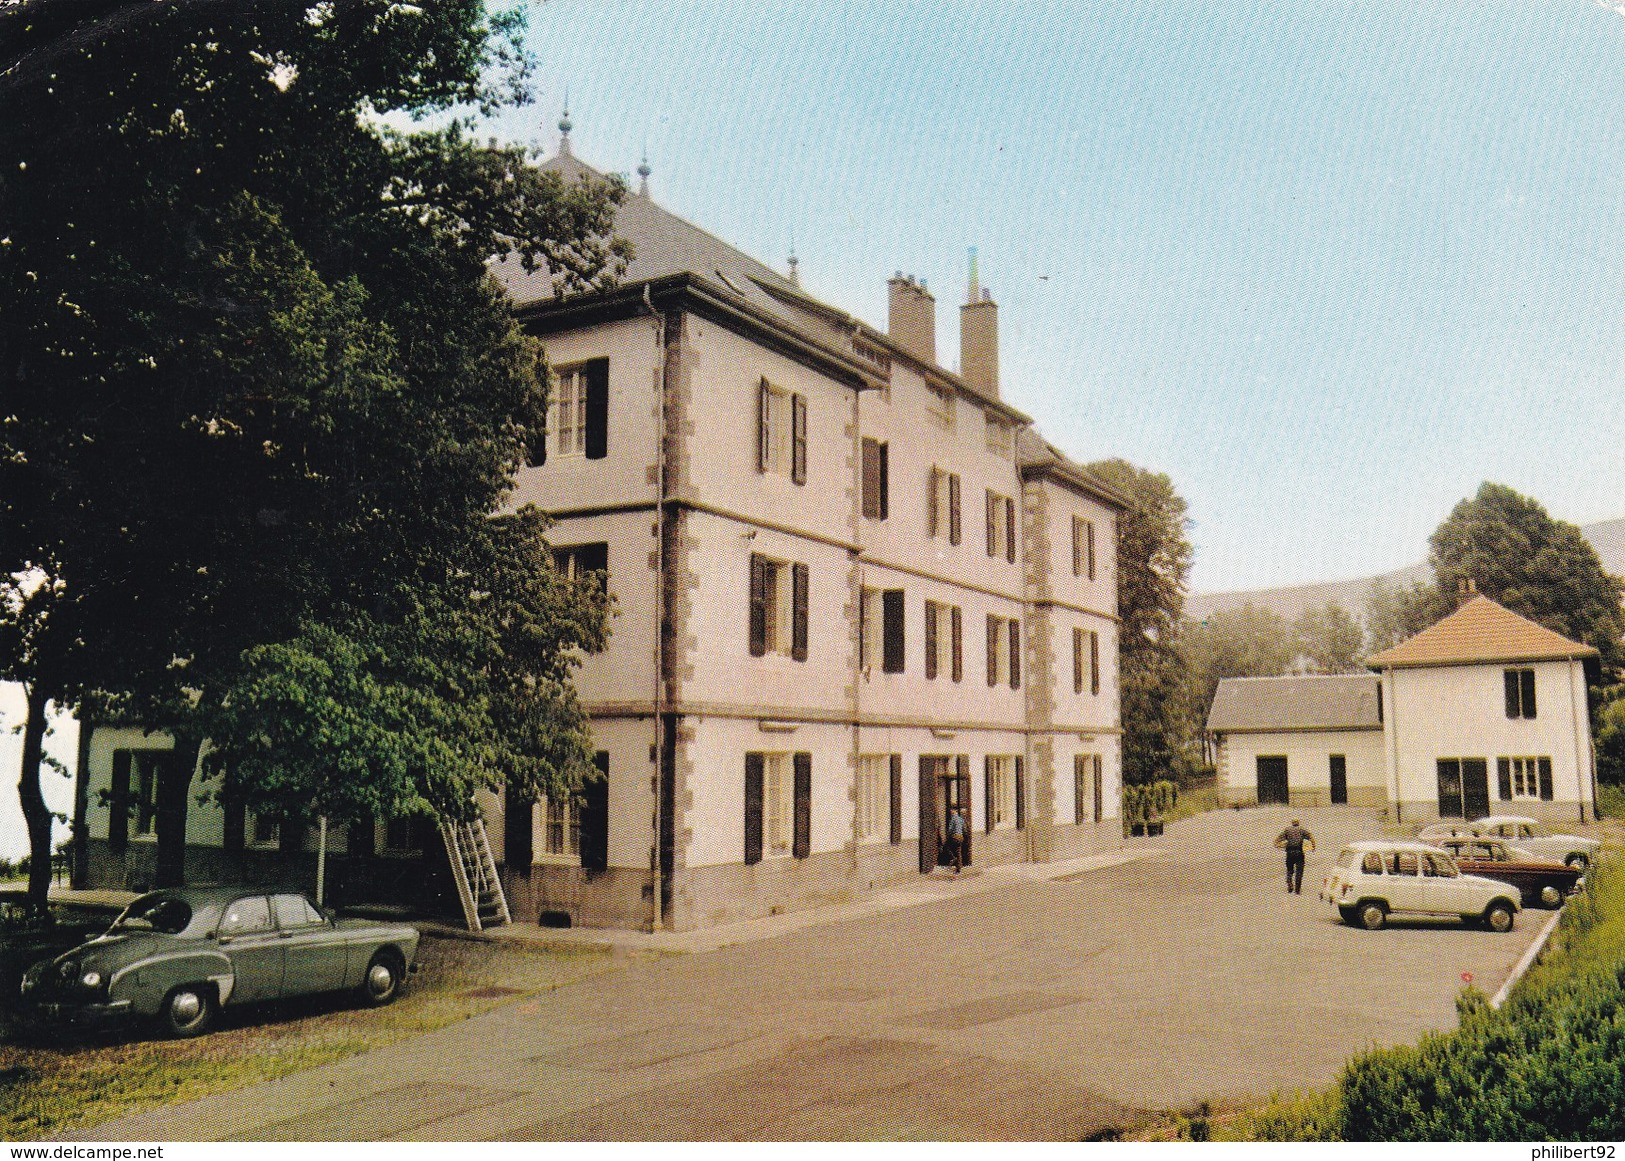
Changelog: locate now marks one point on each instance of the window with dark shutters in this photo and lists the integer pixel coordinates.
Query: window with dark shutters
(595, 816)
(758, 604)
(1520, 692)
(798, 611)
(798, 438)
(895, 789)
(1021, 793)
(930, 640)
(956, 626)
(118, 804)
(597, 375)
(891, 629)
(1015, 653)
(802, 845)
(1546, 789)
(754, 765)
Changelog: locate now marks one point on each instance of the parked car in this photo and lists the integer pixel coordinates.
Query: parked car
(1540, 881)
(180, 956)
(27, 936)
(1372, 880)
(1538, 839)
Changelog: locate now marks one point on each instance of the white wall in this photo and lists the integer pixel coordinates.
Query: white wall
(1308, 766)
(62, 744)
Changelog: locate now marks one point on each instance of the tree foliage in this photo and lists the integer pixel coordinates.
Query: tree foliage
(1328, 639)
(1250, 641)
(1153, 563)
(1395, 614)
(258, 396)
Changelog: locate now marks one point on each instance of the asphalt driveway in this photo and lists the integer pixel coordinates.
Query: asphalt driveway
(1036, 1010)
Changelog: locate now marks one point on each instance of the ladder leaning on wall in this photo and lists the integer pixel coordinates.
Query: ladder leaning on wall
(479, 889)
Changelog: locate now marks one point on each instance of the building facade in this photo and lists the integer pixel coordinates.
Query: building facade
(1307, 741)
(853, 590)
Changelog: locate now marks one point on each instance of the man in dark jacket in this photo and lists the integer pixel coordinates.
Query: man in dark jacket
(1292, 840)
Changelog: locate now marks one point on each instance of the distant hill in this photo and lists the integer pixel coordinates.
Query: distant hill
(1607, 537)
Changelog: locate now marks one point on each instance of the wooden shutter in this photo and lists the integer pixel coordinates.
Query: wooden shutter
(759, 611)
(1545, 778)
(987, 794)
(1510, 677)
(896, 794)
(1527, 680)
(1094, 662)
(764, 426)
(596, 372)
(798, 611)
(753, 807)
(992, 525)
(594, 844)
(1089, 536)
(956, 643)
(118, 805)
(1021, 793)
(1077, 546)
(1100, 791)
(1079, 783)
(930, 839)
(993, 631)
(871, 479)
(885, 481)
(953, 508)
(1015, 653)
(802, 846)
(962, 776)
(1077, 660)
(798, 438)
(930, 640)
(1503, 778)
(891, 617)
(1010, 530)
(933, 521)
(517, 850)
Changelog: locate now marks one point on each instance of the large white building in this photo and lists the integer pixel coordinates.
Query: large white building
(853, 590)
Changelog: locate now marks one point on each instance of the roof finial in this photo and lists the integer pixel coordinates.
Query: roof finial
(972, 293)
(795, 276)
(564, 126)
(643, 172)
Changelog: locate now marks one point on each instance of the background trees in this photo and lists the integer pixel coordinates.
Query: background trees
(258, 398)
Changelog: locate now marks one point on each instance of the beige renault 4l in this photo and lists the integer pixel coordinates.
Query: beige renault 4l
(1372, 880)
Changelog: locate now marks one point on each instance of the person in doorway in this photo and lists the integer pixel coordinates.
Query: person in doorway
(956, 839)
(1292, 840)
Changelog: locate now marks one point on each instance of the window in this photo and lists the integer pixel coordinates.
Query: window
(1083, 548)
(1402, 863)
(570, 413)
(145, 765)
(778, 806)
(245, 915)
(944, 641)
(1001, 526)
(265, 830)
(999, 773)
(295, 911)
(939, 404)
(781, 426)
(1003, 651)
(778, 607)
(873, 797)
(942, 506)
(1527, 778)
(1520, 692)
(578, 420)
(998, 435)
(874, 479)
(1088, 792)
(580, 560)
(892, 652)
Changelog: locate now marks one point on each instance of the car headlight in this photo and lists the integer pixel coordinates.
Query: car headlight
(91, 979)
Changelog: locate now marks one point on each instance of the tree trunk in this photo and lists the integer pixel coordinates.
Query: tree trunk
(169, 822)
(35, 812)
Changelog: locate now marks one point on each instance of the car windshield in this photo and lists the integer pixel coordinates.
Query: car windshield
(161, 913)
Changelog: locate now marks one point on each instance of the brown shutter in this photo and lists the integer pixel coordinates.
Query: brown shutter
(758, 605)
(753, 808)
(1100, 791)
(891, 645)
(1545, 779)
(993, 631)
(957, 643)
(1503, 778)
(930, 839)
(1077, 660)
(864, 628)
(896, 789)
(803, 837)
(885, 481)
(962, 776)
(953, 508)
(992, 526)
(597, 375)
(1079, 780)
(1094, 662)
(516, 830)
(798, 611)
(987, 793)
(1010, 530)
(1077, 546)
(871, 479)
(798, 438)
(118, 804)
(1510, 679)
(1527, 680)
(1089, 530)
(594, 844)
(1015, 653)
(764, 428)
(1021, 793)
(930, 640)
(933, 520)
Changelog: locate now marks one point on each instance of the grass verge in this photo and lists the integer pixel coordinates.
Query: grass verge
(50, 1087)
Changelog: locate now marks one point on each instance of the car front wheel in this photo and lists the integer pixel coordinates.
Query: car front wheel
(1372, 915)
(1551, 897)
(382, 983)
(1498, 916)
(188, 1011)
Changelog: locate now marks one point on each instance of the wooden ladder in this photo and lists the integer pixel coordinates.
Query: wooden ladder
(479, 889)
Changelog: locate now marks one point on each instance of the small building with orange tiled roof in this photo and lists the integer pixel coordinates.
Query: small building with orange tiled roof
(1487, 714)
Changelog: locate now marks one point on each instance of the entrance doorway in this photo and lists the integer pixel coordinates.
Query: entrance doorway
(1340, 779)
(1272, 781)
(1464, 787)
(944, 786)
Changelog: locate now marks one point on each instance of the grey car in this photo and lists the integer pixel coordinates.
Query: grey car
(180, 956)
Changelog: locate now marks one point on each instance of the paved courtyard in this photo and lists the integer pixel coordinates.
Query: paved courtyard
(1026, 1010)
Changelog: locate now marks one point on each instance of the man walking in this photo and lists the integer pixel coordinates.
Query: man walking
(956, 839)
(1292, 840)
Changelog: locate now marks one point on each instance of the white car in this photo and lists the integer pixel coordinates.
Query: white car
(1372, 880)
(1534, 837)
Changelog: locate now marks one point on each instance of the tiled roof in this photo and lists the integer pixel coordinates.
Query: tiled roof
(1480, 631)
(1264, 704)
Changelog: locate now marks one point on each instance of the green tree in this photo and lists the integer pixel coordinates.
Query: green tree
(256, 387)
(1395, 614)
(1328, 639)
(1153, 563)
(1250, 641)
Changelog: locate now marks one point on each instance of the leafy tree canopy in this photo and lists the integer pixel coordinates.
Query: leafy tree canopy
(1328, 639)
(1250, 641)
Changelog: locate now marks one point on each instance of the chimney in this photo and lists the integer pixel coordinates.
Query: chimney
(979, 337)
(1466, 590)
(912, 320)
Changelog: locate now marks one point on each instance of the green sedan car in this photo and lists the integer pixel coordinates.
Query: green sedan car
(180, 956)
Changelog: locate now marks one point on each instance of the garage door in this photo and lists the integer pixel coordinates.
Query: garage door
(1272, 780)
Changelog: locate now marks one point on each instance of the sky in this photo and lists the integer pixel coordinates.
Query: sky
(1327, 265)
